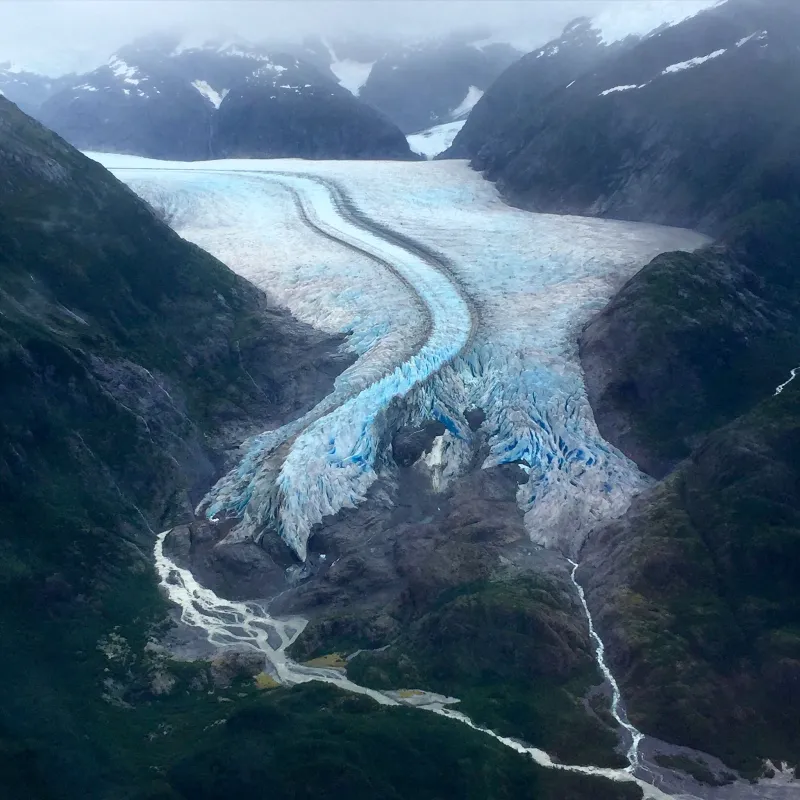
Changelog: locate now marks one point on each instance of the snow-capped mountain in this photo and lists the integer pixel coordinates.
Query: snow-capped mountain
(131, 108)
(519, 91)
(686, 126)
(161, 99)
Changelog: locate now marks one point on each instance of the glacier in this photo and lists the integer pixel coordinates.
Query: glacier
(475, 305)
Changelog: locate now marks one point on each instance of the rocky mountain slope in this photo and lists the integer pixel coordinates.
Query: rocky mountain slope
(694, 340)
(499, 120)
(694, 589)
(285, 111)
(678, 128)
(124, 108)
(29, 89)
(155, 98)
(130, 361)
(418, 86)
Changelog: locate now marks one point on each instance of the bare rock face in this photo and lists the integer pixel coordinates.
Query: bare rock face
(231, 665)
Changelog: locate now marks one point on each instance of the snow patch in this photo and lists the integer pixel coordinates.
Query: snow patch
(792, 376)
(125, 71)
(693, 62)
(468, 103)
(86, 87)
(552, 50)
(268, 70)
(212, 95)
(435, 140)
(760, 34)
(625, 88)
(352, 75)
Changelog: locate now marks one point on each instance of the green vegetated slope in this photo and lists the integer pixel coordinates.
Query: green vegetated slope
(696, 591)
(517, 654)
(694, 339)
(124, 354)
(318, 742)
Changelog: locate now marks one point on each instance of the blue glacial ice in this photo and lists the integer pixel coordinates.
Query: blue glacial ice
(534, 278)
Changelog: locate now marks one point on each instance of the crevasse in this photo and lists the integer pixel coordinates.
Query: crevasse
(331, 458)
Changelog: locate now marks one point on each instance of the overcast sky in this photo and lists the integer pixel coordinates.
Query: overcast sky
(60, 35)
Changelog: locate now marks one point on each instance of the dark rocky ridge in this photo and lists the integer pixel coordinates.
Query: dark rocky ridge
(499, 121)
(694, 590)
(129, 361)
(695, 339)
(298, 112)
(695, 593)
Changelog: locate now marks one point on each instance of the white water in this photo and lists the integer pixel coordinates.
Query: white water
(616, 695)
(793, 375)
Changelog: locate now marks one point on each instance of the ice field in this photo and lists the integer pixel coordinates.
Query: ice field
(485, 314)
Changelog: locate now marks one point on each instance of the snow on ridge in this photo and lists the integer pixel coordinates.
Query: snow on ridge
(211, 94)
(435, 140)
(352, 75)
(268, 70)
(693, 62)
(552, 50)
(624, 18)
(625, 88)
(468, 103)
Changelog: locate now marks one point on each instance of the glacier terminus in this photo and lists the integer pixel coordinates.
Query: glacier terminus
(453, 301)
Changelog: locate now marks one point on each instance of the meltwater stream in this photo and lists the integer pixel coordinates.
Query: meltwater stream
(249, 625)
(616, 695)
